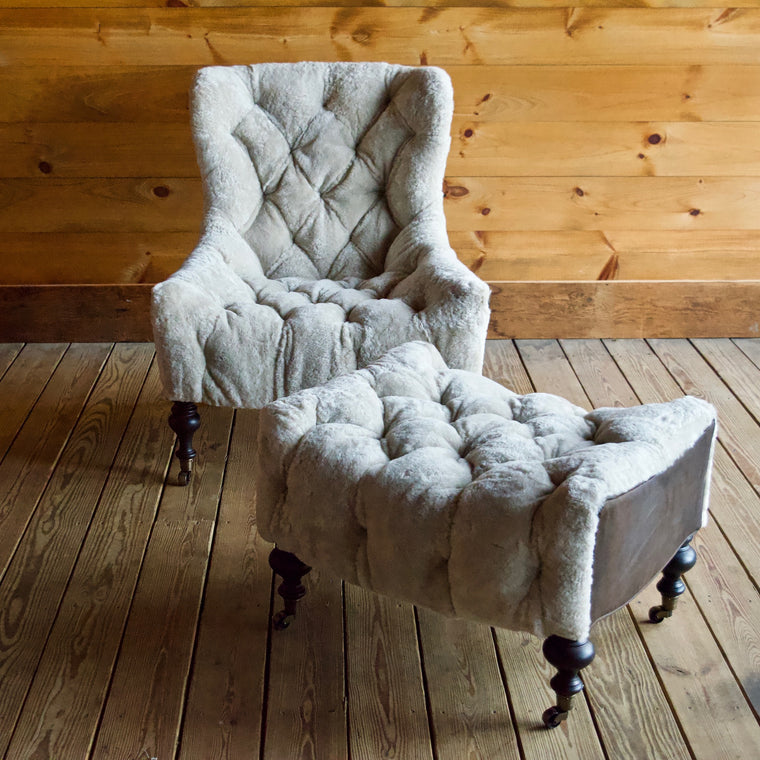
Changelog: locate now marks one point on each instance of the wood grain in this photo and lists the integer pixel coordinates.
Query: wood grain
(735, 369)
(734, 503)
(389, 3)
(706, 662)
(707, 700)
(123, 93)
(72, 678)
(8, 353)
(82, 312)
(35, 450)
(149, 682)
(406, 35)
(582, 255)
(751, 348)
(100, 205)
(388, 716)
(623, 309)
(739, 433)
(150, 257)
(569, 92)
(483, 93)
(306, 710)
(54, 535)
(227, 686)
(490, 148)
(601, 149)
(719, 582)
(728, 599)
(598, 203)
(471, 203)
(503, 364)
(93, 257)
(726, 595)
(22, 384)
(93, 149)
(630, 705)
(468, 704)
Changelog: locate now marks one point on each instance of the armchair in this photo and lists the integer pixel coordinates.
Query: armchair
(323, 241)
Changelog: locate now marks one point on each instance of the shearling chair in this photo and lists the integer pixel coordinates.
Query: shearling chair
(323, 241)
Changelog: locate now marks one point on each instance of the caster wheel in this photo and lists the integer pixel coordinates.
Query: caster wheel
(553, 717)
(282, 620)
(657, 614)
(183, 478)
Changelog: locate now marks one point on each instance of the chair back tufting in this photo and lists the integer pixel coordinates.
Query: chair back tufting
(318, 166)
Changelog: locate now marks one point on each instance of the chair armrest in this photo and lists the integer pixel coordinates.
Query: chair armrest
(456, 312)
(187, 307)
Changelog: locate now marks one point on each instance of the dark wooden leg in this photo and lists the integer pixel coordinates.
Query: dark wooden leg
(569, 657)
(291, 570)
(184, 421)
(670, 585)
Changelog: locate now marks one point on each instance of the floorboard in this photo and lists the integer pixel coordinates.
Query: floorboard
(469, 710)
(22, 384)
(227, 686)
(147, 692)
(134, 614)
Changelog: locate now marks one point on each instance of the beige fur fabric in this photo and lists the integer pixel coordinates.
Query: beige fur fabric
(444, 488)
(324, 240)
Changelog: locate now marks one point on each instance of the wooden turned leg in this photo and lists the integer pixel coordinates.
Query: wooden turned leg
(569, 657)
(670, 585)
(184, 421)
(291, 570)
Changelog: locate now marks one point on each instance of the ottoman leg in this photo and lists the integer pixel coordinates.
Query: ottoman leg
(291, 570)
(670, 585)
(184, 421)
(569, 657)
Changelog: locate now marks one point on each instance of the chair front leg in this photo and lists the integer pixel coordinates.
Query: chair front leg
(184, 421)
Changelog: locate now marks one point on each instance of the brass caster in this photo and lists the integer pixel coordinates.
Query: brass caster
(659, 613)
(183, 478)
(553, 717)
(282, 620)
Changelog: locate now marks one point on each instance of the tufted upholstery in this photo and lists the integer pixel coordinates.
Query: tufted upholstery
(444, 488)
(324, 240)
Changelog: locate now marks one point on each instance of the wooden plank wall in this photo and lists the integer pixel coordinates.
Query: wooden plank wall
(590, 143)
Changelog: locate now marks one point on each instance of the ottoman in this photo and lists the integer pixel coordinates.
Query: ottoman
(443, 488)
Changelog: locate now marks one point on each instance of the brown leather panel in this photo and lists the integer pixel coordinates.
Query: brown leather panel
(640, 531)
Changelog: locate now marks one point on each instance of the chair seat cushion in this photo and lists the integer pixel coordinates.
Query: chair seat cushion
(446, 489)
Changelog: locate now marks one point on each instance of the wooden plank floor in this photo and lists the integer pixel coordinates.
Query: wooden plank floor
(134, 614)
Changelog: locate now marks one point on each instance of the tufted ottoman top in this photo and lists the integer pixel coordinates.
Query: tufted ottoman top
(444, 488)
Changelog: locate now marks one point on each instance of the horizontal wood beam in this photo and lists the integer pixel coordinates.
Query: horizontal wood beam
(625, 309)
(76, 313)
(604, 309)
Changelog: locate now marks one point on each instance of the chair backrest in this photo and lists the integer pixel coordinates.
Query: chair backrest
(320, 165)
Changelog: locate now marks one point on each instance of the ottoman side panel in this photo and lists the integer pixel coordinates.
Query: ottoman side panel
(640, 531)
